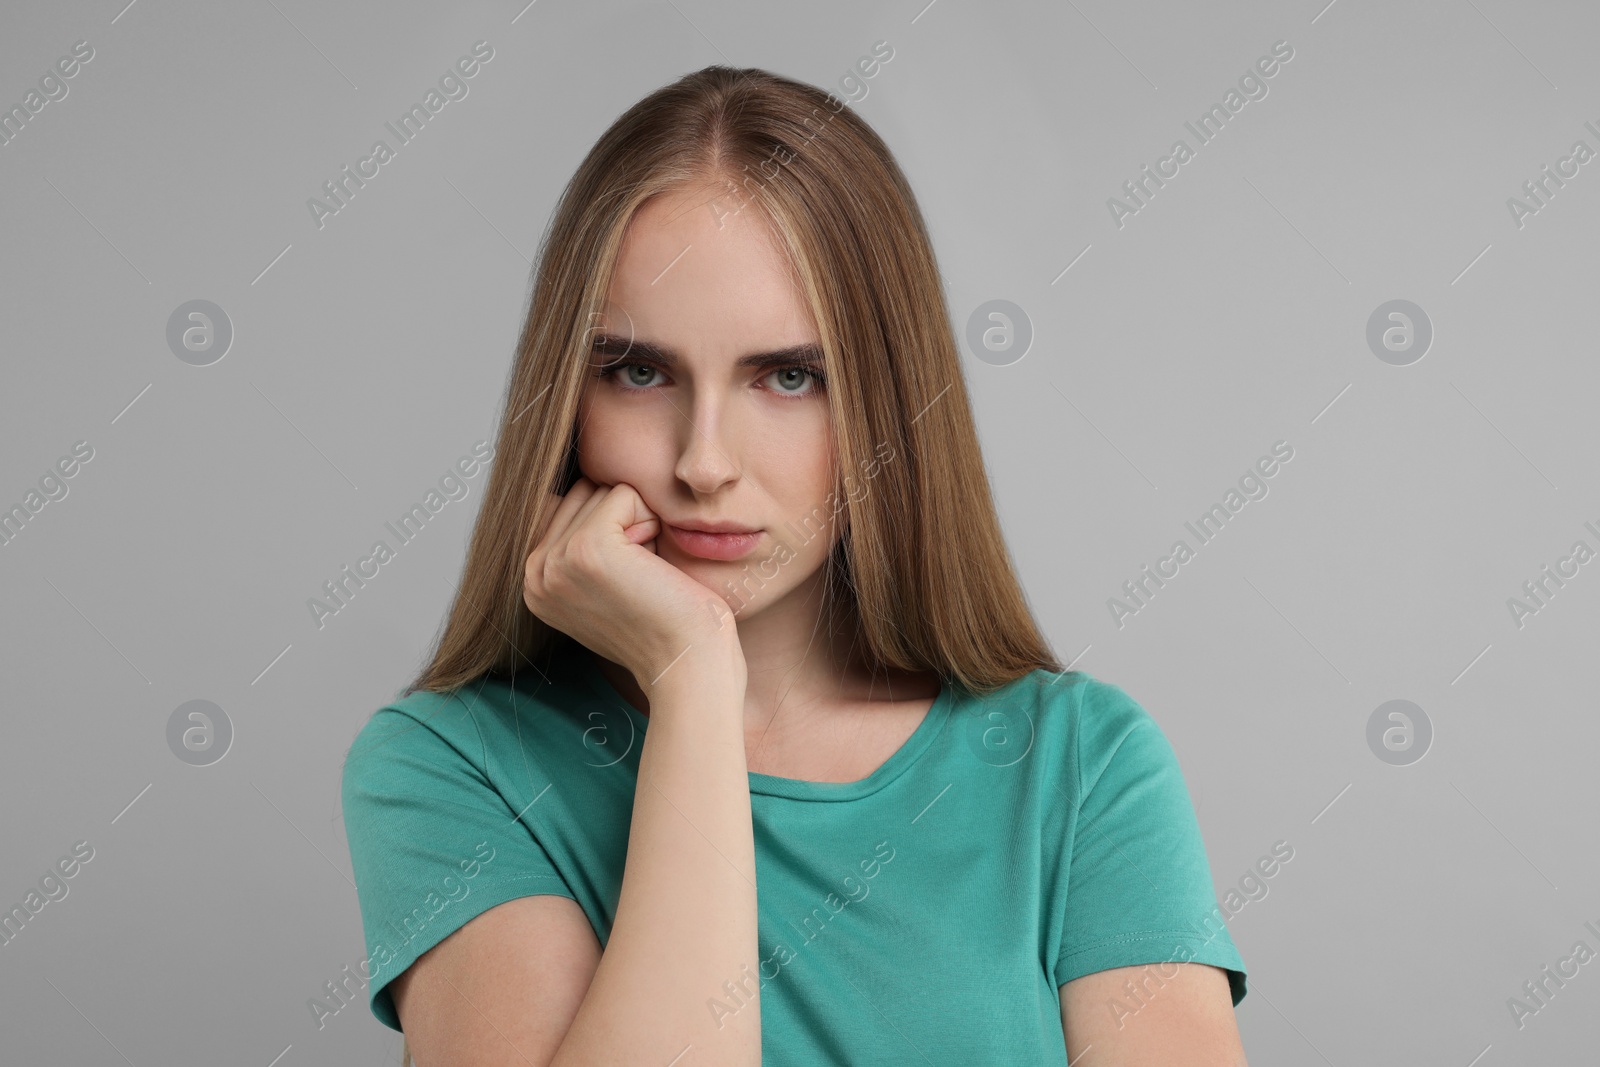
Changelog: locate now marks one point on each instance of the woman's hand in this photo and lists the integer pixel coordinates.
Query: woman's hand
(595, 576)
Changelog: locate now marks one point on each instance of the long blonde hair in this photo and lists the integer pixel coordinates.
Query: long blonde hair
(922, 572)
(922, 569)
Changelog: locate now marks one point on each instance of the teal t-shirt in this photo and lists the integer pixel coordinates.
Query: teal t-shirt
(927, 913)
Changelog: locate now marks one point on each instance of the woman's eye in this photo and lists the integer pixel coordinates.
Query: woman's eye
(792, 380)
(636, 375)
(637, 378)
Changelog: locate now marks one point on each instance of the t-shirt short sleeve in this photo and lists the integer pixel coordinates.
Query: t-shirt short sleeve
(1139, 887)
(432, 842)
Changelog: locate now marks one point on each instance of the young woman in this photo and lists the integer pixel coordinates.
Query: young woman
(741, 744)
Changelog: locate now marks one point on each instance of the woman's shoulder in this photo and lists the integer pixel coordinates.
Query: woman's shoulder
(1114, 738)
(487, 712)
(1075, 699)
(1087, 718)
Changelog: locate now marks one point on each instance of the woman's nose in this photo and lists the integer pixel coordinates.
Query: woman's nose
(708, 457)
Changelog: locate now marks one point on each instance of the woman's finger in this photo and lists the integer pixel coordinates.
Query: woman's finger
(565, 512)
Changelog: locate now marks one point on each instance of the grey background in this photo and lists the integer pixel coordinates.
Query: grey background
(1228, 314)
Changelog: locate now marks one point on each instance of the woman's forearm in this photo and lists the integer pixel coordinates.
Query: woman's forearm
(686, 916)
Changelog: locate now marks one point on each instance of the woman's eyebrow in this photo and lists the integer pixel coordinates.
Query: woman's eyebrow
(667, 357)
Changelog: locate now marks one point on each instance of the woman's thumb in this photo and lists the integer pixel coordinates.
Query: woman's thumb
(640, 532)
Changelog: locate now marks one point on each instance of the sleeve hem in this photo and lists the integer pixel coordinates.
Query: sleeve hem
(1144, 947)
(379, 1000)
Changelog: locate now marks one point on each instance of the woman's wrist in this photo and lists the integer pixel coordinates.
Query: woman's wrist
(707, 661)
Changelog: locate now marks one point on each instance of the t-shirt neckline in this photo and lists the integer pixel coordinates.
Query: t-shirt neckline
(798, 788)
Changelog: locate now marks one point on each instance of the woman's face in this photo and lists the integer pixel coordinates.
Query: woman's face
(704, 432)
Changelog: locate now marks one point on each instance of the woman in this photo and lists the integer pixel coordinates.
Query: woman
(737, 614)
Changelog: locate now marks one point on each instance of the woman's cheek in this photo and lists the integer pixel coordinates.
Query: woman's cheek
(815, 444)
(610, 448)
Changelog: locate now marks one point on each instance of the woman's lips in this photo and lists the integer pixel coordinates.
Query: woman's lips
(712, 545)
